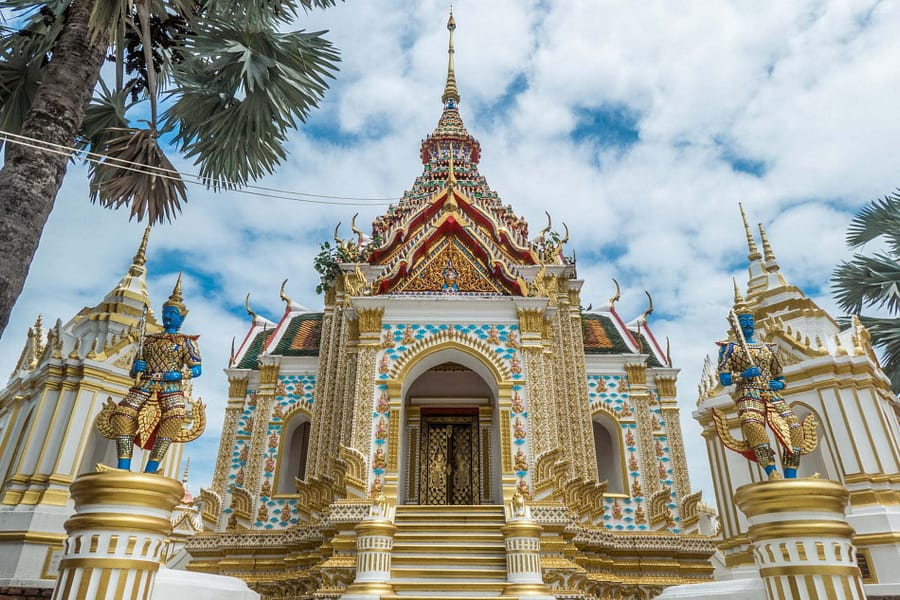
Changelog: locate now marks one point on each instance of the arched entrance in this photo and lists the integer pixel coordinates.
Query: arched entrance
(449, 451)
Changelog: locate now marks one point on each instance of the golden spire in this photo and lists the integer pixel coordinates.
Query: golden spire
(751, 243)
(769, 254)
(140, 257)
(451, 94)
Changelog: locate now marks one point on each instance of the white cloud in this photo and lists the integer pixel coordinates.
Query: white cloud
(805, 88)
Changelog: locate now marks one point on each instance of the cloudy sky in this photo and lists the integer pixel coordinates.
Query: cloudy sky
(642, 125)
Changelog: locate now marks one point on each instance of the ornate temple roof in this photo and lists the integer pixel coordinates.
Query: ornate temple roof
(450, 231)
(607, 334)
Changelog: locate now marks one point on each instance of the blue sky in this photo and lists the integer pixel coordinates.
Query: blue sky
(640, 125)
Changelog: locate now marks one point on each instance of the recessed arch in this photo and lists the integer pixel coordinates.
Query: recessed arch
(609, 450)
(293, 450)
(821, 459)
(418, 414)
(471, 353)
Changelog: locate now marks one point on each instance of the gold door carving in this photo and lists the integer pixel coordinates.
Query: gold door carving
(449, 467)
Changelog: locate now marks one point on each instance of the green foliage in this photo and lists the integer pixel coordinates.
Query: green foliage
(231, 83)
(327, 265)
(873, 280)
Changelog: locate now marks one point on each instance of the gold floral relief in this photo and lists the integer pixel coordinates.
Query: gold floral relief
(449, 269)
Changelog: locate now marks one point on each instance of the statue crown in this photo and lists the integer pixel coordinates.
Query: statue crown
(176, 300)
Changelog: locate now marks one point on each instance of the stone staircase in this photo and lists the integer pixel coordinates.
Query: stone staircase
(448, 552)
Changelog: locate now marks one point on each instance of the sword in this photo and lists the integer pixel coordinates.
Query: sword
(736, 324)
(140, 348)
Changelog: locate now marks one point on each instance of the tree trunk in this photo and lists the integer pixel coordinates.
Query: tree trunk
(31, 178)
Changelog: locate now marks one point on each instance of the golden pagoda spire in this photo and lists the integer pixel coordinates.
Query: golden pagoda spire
(768, 253)
(140, 257)
(751, 243)
(451, 93)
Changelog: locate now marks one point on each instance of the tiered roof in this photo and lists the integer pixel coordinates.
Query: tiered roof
(450, 231)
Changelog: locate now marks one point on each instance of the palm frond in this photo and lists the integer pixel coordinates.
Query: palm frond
(104, 118)
(155, 190)
(867, 281)
(261, 12)
(880, 218)
(239, 92)
(20, 76)
(885, 334)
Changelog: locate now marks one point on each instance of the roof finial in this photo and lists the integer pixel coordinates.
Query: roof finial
(751, 243)
(649, 310)
(247, 307)
(617, 295)
(768, 253)
(283, 295)
(451, 94)
(140, 257)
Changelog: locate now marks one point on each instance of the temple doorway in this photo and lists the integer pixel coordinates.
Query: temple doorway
(450, 449)
(449, 471)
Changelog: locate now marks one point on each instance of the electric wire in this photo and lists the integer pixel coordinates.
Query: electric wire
(190, 178)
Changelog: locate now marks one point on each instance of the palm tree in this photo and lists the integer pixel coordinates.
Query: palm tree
(216, 77)
(873, 280)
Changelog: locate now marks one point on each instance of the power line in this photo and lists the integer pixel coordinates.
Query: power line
(191, 178)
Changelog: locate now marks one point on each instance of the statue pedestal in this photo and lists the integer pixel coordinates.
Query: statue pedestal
(116, 536)
(801, 544)
(801, 539)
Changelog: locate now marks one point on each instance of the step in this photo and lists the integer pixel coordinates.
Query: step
(436, 595)
(432, 546)
(402, 537)
(439, 573)
(450, 562)
(449, 589)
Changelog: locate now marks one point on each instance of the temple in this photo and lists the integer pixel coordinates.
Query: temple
(451, 368)
(453, 423)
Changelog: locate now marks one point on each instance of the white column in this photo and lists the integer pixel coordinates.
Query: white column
(801, 539)
(117, 535)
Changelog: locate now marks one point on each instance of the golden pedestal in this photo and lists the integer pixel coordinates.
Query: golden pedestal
(801, 540)
(117, 535)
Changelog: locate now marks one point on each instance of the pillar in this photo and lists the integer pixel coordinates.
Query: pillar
(522, 538)
(801, 540)
(116, 536)
(374, 542)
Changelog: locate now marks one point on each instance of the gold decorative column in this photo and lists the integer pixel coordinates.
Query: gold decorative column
(369, 339)
(522, 538)
(117, 535)
(374, 542)
(531, 326)
(801, 540)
